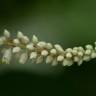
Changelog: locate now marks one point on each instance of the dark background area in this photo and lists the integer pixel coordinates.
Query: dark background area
(68, 22)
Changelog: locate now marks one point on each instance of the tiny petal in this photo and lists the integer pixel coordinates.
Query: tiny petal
(76, 59)
(25, 39)
(23, 58)
(67, 62)
(2, 40)
(60, 58)
(68, 55)
(93, 55)
(86, 58)
(41, 44)
(20, 35)
(90, 47)
(49, 46)
(88, 52)
(54, 62)
(39, 59)
(74, 52)
(80, 62)
(6, 33)
(49, 59)
(16, 41)
(7, 56)
(44, 53)
(53, 51)
(69, 50)
(16, 49)
(30, 46)
(80, 53)
(35, 39)
(59, 48)
(33, 55)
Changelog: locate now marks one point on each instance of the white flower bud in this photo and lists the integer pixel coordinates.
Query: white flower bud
(41, 44)
(60, 58)
(80, 62)
(34, 39)
(30, 46)
(54, 62)
(23, 58)
(81, 49)
(90, 47)
(86, 58)
(44, 52)
(25, 39)
(33, 55)
(93, 55)
(2, 40)
(68, 50)
(88, 52)
(74, 52)
(80, 53)
(76, 59)
(67, 62)
(68, 55)
(6, 33)
(16, 41)
(49, 46)
(7, 56)
(49, 59)
(75, 48)
(53, 51)
(59, 48)
(16, 49)
(20, 35)
(39, 59)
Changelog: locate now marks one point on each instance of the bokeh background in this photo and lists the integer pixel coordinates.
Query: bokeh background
(67, 22)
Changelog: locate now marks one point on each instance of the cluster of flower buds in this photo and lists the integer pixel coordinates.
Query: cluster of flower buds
(24, 49)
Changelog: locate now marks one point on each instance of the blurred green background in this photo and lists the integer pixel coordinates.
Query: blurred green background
(67, 22)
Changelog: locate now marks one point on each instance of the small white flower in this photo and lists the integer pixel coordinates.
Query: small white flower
(20, 35)
(86, 58)
(34, 39)
(2, 40)
(81, 49)
(54, 62)
(75, 48)
(49, 59)
(41, 44)
(49, 46)
(30, 46)
(23, 58)
(59, 48)
(25, 39)
(39, 59)
(67, 62)
(60, 58)
(6, 33)
(93, 55)
(44, 52)
(33, 55)
(80, 62)
(68, 55)
(7, 56)
(76, 59)
(53, 51)
(69, 50)
(16, 41)
(80, 53)
(74, 52)
(16, 49)
(88, 52)
(90, 47)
